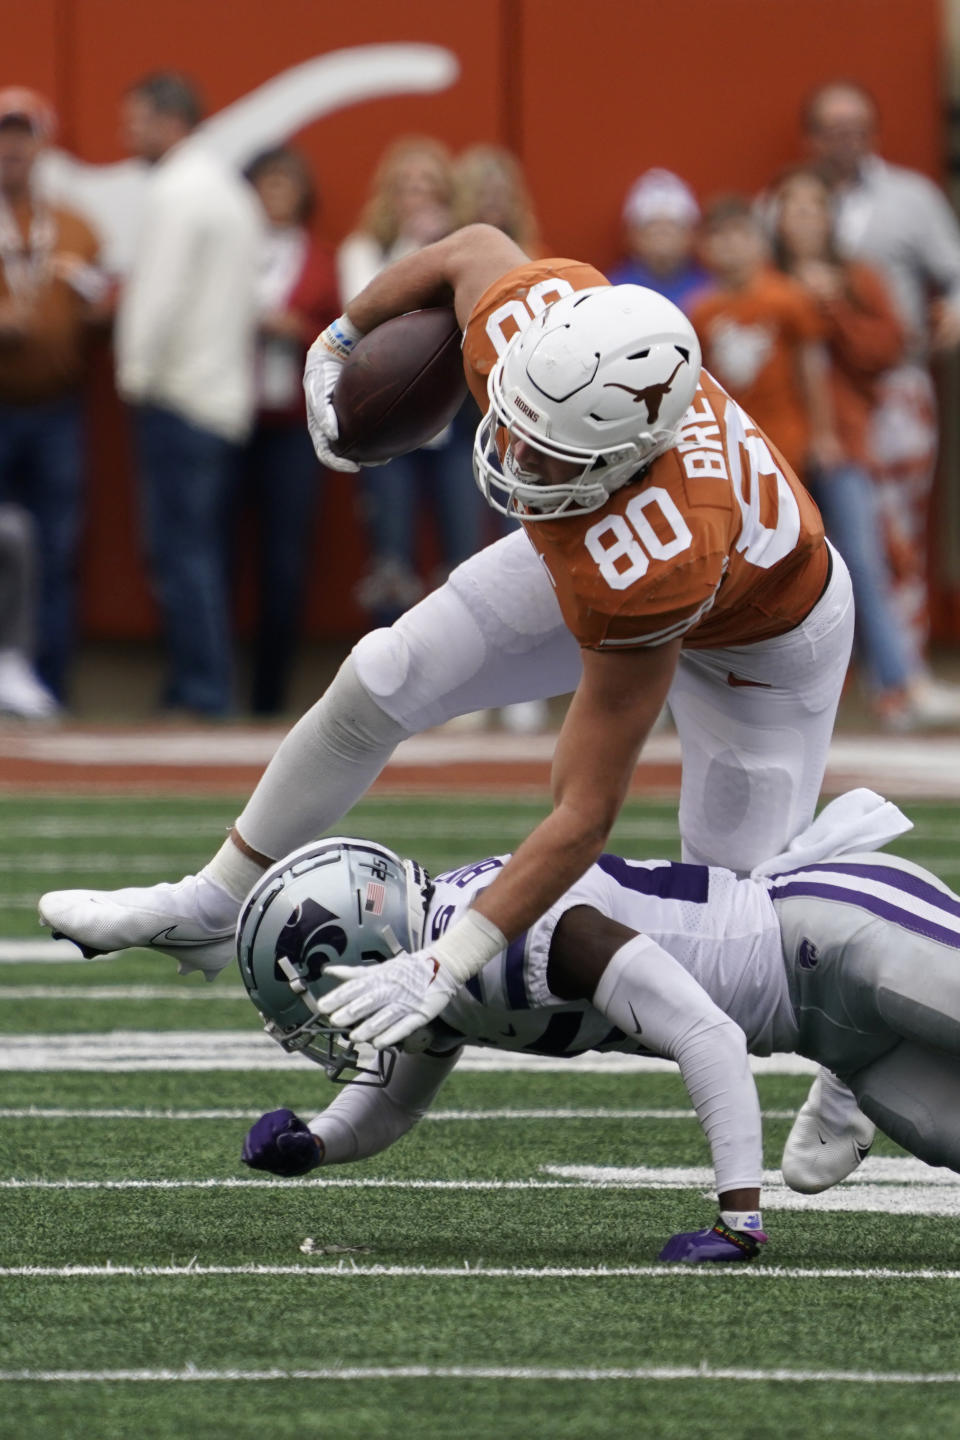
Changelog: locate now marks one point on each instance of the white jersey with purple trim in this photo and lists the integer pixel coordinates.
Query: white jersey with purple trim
(868, 948)
(723, 931)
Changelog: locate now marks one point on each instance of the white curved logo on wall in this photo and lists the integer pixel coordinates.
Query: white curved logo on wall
(111, 194)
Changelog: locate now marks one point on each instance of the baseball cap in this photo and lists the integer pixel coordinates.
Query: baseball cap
(660, 195)
(19, 103)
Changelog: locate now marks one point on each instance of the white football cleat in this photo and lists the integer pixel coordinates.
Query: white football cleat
(193, 920)
(22, 693)
(829, 1139)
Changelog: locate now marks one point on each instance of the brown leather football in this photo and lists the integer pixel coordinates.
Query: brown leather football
(402, 384)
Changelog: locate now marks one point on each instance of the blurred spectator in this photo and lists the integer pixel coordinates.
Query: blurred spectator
(898, 220)
(21, 692)
(281, 483)
(761, 335)
(660, 217)
(864, 337)
(410, 204)
(185, 339)
(489, 188)
(50, 290)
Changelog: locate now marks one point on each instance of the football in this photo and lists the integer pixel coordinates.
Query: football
(402, 384)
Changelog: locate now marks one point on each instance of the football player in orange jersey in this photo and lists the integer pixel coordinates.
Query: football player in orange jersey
(666, 546)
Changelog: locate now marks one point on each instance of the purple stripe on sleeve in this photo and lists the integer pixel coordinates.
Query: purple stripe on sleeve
(872, 903)
(671, 882)
(513, 973)
(886, 875)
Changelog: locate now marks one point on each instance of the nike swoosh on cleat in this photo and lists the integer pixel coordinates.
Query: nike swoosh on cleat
(636, 1023)
(167, 937)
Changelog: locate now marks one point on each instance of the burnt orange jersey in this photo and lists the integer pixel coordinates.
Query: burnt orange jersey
(509, 305)
(717, 542)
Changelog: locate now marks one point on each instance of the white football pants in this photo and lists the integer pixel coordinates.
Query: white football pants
(754, 721)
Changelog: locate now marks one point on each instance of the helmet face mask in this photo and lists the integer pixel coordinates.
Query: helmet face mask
(600, 380)
(336, 901)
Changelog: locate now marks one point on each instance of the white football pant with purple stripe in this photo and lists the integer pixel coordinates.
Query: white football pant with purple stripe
(872, 946)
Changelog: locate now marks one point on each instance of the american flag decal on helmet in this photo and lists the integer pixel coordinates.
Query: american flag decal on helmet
(376, 897)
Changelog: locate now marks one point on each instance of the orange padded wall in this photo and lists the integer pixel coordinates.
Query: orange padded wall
(587, 94)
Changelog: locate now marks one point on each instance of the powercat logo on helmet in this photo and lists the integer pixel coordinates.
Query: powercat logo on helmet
(651, 395)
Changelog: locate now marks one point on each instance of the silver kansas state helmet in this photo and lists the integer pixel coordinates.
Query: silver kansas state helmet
(339, 901)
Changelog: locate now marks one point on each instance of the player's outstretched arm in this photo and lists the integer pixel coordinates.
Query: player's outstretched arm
(361, 1120)
(455, 270)
(646, 992)
(612, 712)
(614, 708)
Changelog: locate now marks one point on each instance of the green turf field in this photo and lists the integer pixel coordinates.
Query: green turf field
(476, 1281)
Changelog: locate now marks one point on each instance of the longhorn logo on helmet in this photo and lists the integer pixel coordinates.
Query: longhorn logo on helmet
(651, 395)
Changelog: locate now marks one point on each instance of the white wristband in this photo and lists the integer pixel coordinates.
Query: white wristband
(341, 335)
(745, 1220)
(467, 946)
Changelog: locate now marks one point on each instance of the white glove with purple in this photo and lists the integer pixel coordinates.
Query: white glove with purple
(733, 1237)
(383, 1004)
(325, 359)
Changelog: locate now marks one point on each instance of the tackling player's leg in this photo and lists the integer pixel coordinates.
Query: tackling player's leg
(891, 961)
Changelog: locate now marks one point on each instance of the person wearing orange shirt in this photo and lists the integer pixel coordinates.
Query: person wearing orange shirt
(899, 221)
(864, 338)
(664, 547)
(762, 337)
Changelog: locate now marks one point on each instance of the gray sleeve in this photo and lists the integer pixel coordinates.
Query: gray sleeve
(362, 1120)
(646, 992)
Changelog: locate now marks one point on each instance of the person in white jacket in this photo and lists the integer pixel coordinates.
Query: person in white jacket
(185, 337)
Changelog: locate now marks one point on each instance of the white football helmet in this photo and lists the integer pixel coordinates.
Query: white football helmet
(338, 901)
(600, 379)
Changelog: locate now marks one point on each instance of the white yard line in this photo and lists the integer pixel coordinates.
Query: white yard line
(40, 1112)
(350, 1270)
(875, 1170)
(38, 952)
(104, 993)
(912, 1196)
(248, 1050)
(20, 900)
(644, 1373)
(86, 862)
(338, 1183)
